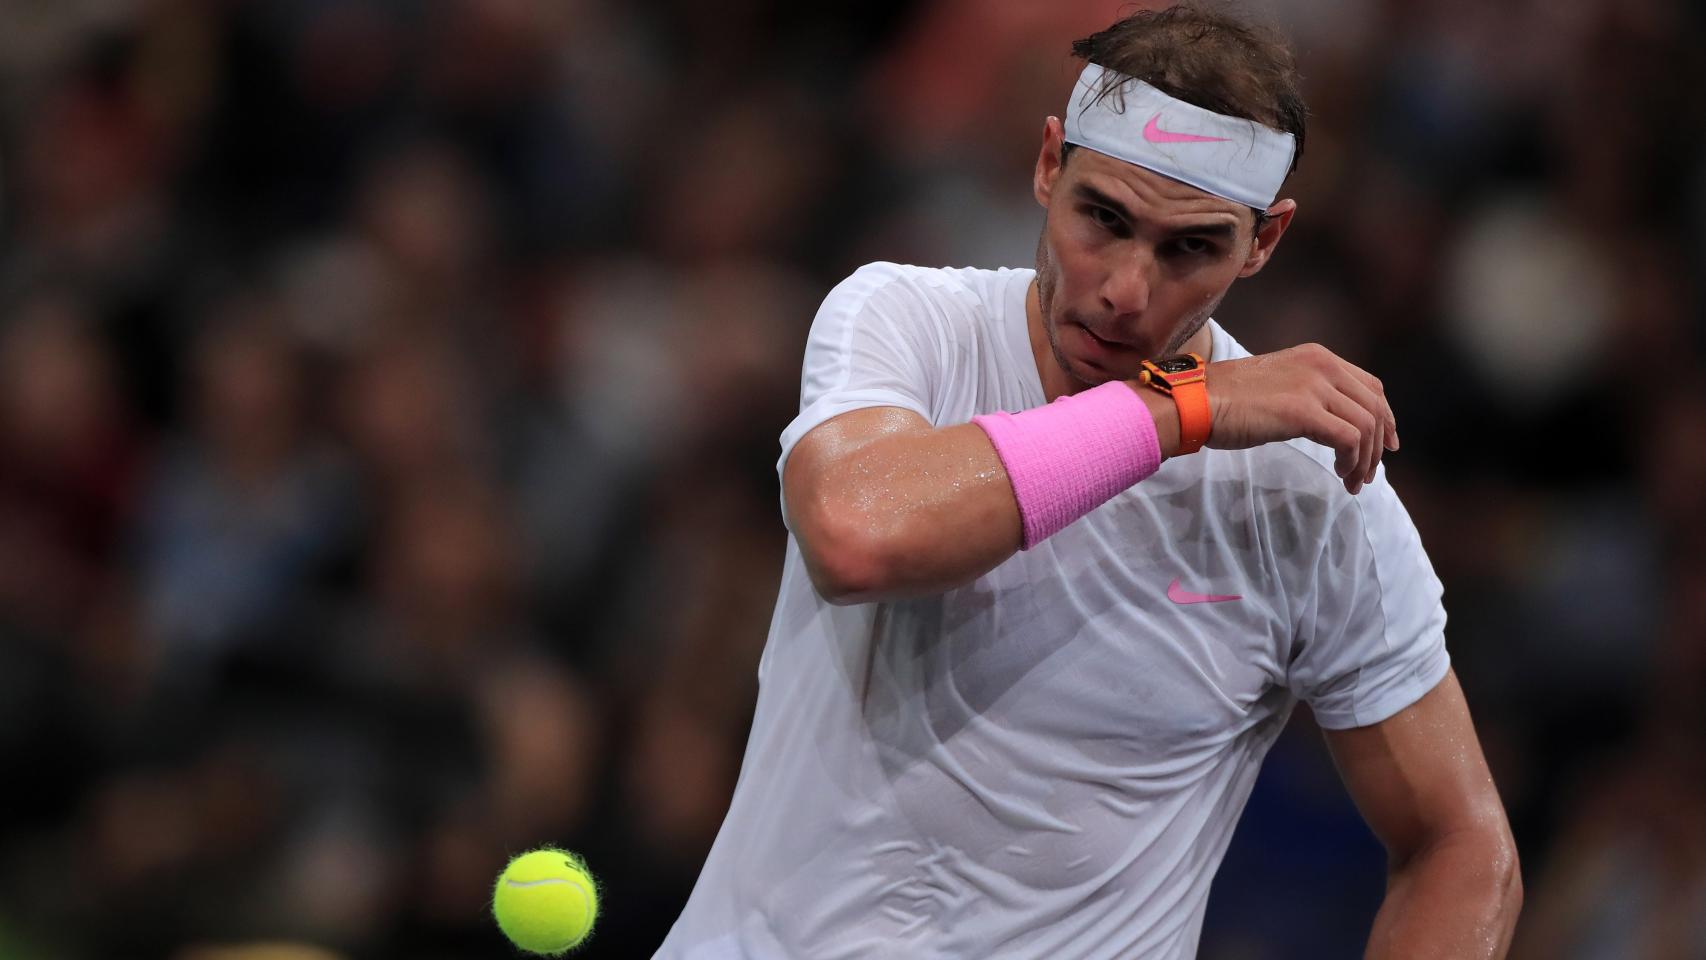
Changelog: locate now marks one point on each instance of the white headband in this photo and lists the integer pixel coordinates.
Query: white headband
(1240, 160)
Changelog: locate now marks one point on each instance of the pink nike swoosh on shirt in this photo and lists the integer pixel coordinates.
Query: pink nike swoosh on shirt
(1154, 134)
(1178, 594)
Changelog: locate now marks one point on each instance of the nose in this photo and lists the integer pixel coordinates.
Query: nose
(1125, 291)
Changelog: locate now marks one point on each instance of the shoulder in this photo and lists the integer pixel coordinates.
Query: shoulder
(1306, 469)
(897, 282)
(948, 294)
(1323, 540)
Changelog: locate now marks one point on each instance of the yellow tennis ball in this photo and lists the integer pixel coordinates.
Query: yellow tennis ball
(545, 902)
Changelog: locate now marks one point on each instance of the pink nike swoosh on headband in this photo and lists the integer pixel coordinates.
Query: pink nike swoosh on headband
(1154, 134)
(1178, 594)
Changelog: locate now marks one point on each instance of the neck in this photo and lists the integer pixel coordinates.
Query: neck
(1056, 381)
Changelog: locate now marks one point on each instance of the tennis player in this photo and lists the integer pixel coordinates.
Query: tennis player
(1064, 556)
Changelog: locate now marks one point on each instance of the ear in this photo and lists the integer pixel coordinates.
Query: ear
(1048, 161)
(1267, 238)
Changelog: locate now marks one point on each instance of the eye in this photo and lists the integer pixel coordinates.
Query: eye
(1105, 218)
(1193, 246)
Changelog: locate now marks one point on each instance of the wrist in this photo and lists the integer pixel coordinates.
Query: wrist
(1183, 380)
(1165, 414)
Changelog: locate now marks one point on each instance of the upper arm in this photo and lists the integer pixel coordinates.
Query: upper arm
(869, 372)
(1419, 776)
(883, 505)
(872, 345)
(817, 456)
(883, 502)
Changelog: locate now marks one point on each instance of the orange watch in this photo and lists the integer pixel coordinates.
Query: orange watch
(1184, 378)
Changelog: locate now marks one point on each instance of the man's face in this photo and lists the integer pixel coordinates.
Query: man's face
(1130, 263)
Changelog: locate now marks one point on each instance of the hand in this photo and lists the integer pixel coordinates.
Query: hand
(1303, 391)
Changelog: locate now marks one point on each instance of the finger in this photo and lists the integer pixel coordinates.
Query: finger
(1346, 409)
(1367, 389)
(1368, 438)
(1330, 430)
(1379, 423)
(1382, 408)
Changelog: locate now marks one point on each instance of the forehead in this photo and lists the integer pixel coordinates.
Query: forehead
(1145, 192)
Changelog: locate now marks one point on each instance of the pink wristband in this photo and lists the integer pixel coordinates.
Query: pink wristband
(1069, 457)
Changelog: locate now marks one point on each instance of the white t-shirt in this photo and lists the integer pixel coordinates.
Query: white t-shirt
(1048, 762)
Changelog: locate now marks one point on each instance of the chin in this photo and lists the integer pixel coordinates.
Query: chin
(1084, 371)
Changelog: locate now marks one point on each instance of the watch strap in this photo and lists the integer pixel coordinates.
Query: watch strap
(1195, 417)
(1189, 390)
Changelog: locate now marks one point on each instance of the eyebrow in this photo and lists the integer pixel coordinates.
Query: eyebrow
(1219, 229)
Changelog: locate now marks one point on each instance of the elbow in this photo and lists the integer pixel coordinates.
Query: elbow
(1500, 865)
(1508, 871)
(846, 558)
(1503, 863)
(1480, 863)
(847, 579)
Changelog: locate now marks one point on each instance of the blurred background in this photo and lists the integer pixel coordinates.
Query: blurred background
(389, 395)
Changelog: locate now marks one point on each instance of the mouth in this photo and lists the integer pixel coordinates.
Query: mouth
(1102, 344)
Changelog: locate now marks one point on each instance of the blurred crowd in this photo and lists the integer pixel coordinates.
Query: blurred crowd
(389, 395)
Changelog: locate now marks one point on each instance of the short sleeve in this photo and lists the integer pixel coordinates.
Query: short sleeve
(870, 346)
(1371, 634)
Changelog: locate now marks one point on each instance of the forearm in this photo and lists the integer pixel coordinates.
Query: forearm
(884, 509)
(1458, 899)
(911, 514)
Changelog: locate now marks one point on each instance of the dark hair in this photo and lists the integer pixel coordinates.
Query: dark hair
(1207, 57)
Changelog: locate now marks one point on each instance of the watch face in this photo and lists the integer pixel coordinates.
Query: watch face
(1176, 364)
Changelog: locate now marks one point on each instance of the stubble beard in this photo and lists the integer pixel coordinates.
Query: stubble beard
(1045, 306)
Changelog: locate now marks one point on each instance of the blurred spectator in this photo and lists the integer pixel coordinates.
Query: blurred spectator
(70, 462)
(1629, 877)
(247, 510)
